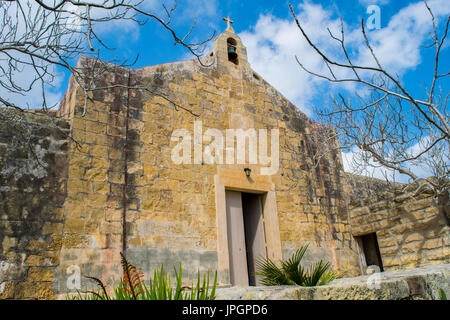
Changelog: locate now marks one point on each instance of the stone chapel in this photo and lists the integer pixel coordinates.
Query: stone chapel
(114, 186)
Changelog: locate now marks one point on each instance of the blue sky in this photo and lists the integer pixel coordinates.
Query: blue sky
(272, 39)
(155, 45)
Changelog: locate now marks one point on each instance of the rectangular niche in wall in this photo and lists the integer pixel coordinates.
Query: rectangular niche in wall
(370, 252)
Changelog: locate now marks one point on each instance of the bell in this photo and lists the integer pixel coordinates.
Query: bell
(232, 55)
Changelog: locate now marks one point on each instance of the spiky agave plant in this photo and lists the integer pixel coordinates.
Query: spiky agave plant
(133, 287)
(292, 272)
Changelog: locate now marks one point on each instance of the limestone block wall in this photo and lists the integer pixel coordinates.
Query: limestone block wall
(102, 162)
(33, 170)
(125, 193)
(412, 230)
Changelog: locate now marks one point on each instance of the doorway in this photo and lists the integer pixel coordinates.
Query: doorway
(370, 252)
(246, 236)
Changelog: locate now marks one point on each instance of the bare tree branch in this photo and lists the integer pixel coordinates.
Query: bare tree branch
(42, 38)
(389, 127)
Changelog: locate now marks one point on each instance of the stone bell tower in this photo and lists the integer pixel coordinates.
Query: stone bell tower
(230, 54)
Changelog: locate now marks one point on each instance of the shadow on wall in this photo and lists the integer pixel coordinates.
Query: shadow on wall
(33, 169)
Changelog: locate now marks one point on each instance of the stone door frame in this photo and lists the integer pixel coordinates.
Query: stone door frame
(237, 181)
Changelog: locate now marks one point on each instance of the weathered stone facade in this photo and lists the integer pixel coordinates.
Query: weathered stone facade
(116, 189)
(33, 180)
(412, 229)
(122, 170)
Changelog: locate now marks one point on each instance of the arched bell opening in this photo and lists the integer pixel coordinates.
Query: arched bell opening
(232, 51)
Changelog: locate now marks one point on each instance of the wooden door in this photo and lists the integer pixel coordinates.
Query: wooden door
(254, 233)
(236, 239)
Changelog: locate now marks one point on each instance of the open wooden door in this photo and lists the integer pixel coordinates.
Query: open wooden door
(246, 236)
(255, 239)
(236, 239)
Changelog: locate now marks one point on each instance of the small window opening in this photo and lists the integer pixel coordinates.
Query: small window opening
(302, 145)
(370, 252)
(232, 51)
(256, 76)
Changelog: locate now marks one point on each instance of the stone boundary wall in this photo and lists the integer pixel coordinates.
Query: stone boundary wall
(413, 284)
(412, 230)
(363, 187)
(33, 170)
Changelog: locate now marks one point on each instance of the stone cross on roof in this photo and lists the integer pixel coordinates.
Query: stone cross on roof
(228, 20)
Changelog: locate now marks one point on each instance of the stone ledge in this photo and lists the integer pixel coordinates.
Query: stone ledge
(412, 284)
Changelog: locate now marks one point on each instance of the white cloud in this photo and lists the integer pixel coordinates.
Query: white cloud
(352, 161)
(33, 98)
(199, 8)
(427, 165)
(20, 83)
(370, 2)
(398, 45)
(272, 43)
(23, 74)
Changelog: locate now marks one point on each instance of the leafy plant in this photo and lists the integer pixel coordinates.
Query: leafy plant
(133, 287)
(292, 272)
(442, 294)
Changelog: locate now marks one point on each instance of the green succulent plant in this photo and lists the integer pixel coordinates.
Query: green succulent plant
(292, 272)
